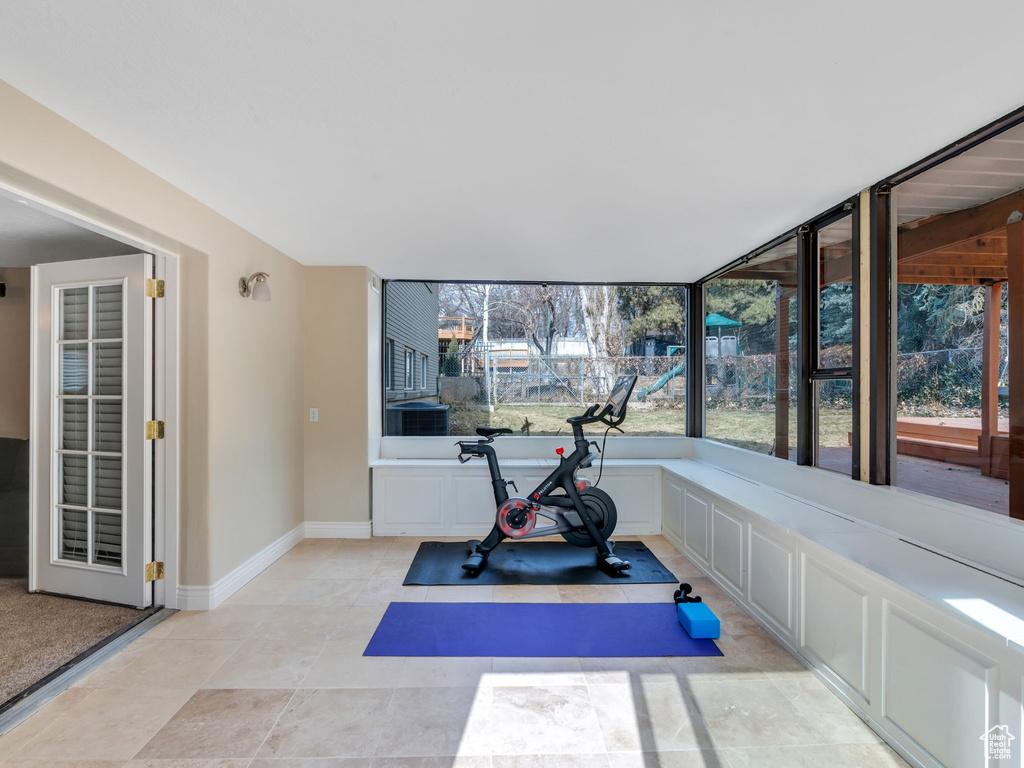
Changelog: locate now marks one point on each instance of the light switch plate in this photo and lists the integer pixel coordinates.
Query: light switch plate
(314, 414)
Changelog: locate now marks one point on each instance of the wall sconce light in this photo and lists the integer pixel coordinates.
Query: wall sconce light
(256, 286)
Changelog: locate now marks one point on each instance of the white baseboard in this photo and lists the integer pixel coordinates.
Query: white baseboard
(325, 530)
(208, 598)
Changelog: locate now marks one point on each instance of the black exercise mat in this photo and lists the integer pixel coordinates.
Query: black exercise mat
(539, 562)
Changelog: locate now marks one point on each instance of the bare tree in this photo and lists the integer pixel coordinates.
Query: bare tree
(603, 329)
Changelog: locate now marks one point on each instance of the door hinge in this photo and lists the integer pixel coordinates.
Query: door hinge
(154, 430)
(154, 571)
(154, 288)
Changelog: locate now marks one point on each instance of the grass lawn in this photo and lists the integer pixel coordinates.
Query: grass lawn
(754, 430)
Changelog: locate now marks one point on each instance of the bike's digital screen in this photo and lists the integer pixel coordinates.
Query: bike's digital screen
(620, 394)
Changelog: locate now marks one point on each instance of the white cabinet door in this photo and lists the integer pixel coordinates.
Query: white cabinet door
(92, 390)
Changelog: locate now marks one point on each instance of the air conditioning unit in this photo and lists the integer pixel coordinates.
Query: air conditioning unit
(416, 419)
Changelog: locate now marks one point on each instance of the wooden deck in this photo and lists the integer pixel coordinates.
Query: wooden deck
(944, 480)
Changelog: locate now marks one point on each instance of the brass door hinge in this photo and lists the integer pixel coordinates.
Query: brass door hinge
(154, 288)
(154, 571)
(154, 430)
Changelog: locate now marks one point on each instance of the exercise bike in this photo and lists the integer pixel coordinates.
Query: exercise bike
(581, 513)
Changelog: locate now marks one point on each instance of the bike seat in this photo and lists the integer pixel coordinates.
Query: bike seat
(492, 431)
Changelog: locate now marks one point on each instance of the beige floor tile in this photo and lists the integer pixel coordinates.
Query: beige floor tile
(764, 651)
(329, 723)
(108, 725)
(544, 761)
(327, 592)
(733, 665)
(65, 764)
(106, 671)
(449, 761)
(837, 756)
(313, 762)
(228, 622)
(624, 670)
(642, 715)
(406, 547)
(391, 569)
(526, 593)
(442, 672)
(184, 664)
(218, 723)
(689, 758)
(839, 724)
(543, 720)
(222, 763)
(23, 733)
(413, 729)
(322, 547)
(592, 593)
(649, 593)
(359, 622)
(349, 568)
(682, 568)
(384, 591)
(342, 665)
(459, 593)
(512, 671)
(267, 663)
(293, 566)
(364, 549)
(168, 625)
(751, 713)
(309, 622)
(264, 591)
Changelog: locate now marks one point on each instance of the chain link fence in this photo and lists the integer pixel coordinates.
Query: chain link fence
(517, 379)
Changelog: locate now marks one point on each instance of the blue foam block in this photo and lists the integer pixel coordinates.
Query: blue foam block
(698, 620)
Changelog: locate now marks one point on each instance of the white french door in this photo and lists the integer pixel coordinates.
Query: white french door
(92, 389)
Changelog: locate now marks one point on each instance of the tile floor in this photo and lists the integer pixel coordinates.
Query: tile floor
(274, 679)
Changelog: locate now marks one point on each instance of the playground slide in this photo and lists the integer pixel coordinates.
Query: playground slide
(661, 382)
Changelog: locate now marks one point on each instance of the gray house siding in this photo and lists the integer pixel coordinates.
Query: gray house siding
(410, 323)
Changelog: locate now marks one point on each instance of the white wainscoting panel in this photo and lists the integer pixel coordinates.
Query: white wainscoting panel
(770, 566)
(442, 498)
(727, 549)
(672, 509)
(936, 689)
(415, 502)
(834, 622)
(696, 524)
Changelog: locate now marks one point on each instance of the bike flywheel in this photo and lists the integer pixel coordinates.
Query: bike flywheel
(516, 518)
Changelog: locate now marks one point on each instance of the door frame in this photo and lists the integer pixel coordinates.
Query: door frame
(166, 398)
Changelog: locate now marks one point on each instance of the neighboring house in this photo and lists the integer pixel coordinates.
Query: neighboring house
(410, 347)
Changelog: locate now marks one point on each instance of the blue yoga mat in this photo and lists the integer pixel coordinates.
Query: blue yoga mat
(534, 629)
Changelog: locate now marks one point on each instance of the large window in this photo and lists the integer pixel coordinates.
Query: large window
(955, 324)
(527, 355)
(750, 354)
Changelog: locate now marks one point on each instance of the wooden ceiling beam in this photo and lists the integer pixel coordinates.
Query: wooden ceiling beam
(944, 231)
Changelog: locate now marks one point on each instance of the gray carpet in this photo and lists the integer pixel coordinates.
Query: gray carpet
(39, 633)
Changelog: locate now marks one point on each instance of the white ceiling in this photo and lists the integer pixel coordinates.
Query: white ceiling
(29, 236)
(526, 139)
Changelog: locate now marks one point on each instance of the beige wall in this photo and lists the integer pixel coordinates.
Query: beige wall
(241, 361)
(336, 329)
(14, 357)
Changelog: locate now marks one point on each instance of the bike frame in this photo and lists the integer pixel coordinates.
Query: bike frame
(562, 477)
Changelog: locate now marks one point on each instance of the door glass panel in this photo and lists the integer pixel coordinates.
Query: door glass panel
(74, 535)
(107, 312)
(106, 539)
(107, 364)
(106, 426)
(835, 295)
(74, 481)
(106, 484)
(74, 305)
(74, 425)
(89, 369)
(834, 425)
(74, 369)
